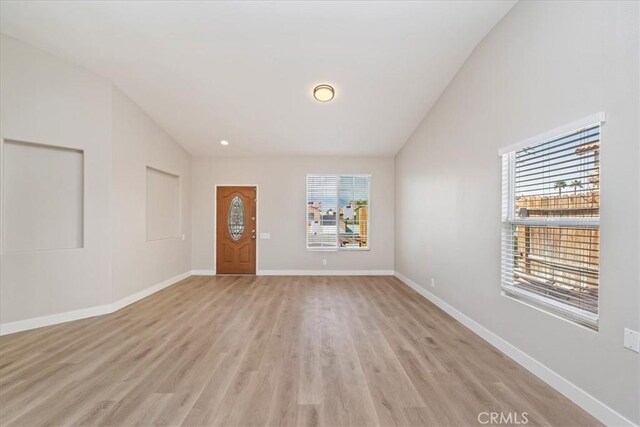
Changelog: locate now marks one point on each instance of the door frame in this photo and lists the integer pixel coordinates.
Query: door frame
(215, 226)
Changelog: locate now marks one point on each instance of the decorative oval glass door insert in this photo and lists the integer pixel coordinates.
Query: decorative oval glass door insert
(235, 218)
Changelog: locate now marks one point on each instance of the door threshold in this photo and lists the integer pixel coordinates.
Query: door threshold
(236, 274)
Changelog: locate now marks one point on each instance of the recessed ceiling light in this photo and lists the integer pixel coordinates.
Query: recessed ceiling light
(323, 93)
(223, 142)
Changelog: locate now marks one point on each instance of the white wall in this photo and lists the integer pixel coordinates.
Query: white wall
(544, 65)
(282, 210)
(46, 100)
(138, 142)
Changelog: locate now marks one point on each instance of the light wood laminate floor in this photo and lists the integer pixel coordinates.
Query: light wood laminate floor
(247, 351)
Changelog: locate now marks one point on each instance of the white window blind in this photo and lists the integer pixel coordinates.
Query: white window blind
(353, 212)
(551, 224)
(322, 205)
(338, 212)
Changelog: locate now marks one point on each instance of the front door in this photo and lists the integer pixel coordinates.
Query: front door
(236, 230)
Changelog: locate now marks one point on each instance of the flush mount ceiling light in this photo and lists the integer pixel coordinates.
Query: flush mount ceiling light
(323, 93)
(223, 142)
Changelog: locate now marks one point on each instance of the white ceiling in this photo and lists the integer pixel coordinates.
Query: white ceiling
(244, 71)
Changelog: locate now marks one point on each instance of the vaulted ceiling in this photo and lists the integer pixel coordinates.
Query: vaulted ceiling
(244, 71)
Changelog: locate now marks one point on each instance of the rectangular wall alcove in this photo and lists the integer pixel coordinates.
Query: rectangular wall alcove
(42, 191)
(163, 205)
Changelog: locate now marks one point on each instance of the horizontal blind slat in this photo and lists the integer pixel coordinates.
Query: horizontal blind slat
(544, 156)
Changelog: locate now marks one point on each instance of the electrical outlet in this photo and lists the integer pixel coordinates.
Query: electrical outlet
(324, 262)
(433, 282)
(183, 237)
(632, 340)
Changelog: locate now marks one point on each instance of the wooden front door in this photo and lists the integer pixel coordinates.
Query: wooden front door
(236, 230)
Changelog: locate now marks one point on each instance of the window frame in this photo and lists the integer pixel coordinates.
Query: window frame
(337, 246)
(509, 220)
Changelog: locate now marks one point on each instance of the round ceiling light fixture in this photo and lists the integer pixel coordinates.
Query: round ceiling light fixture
(224, 142)
(323, 93)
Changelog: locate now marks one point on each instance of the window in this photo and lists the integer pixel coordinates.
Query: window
(338, 212)
(551, 223)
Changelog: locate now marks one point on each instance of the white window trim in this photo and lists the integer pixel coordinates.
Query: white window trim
(573, 314)
(337, 248)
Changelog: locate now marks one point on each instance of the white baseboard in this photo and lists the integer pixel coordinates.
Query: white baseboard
(203, 272)
(54, 319)
(574, 393)
(325, 273)
(117, 305)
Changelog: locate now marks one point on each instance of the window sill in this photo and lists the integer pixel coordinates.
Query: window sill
(338, 249)
(584, 322)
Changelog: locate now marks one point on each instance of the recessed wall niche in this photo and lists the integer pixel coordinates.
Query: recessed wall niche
(42, 193)
(163, 205)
